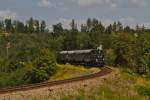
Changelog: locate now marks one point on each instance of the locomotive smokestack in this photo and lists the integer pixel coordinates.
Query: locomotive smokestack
(100, 48)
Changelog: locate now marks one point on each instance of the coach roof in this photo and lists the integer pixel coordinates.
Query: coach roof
(76, 51)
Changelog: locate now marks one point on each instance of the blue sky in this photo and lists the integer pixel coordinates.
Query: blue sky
(129, 12)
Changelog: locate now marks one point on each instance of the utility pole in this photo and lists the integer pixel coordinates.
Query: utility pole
(7, 49)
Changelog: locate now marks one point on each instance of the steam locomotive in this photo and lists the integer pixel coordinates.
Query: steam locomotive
(90, 57)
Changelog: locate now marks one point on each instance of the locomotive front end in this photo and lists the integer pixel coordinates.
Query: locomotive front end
(99, 60)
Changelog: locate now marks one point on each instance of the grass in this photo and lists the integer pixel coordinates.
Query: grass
(69, 71)
(126, 86)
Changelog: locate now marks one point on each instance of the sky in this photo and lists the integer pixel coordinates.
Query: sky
(129, 12)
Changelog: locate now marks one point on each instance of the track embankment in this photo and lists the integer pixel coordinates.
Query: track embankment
(103, 72)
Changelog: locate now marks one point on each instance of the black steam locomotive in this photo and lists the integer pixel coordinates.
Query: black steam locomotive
(90, 57)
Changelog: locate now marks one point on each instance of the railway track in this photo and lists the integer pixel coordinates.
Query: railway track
(103, 72)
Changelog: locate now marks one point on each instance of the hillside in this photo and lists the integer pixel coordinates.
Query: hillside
(121, 84)
(29, 52)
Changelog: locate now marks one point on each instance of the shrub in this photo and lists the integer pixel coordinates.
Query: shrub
(44, 66)
(110, 56)
(144, 90)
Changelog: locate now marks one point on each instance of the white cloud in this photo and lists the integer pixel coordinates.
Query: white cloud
(7, 14)
(107, 22)
(127, 20)
(88, 2)
(43, 3)
(147, 25)
(130, 21)
(66, 22)
(112, 3)
(139, 2)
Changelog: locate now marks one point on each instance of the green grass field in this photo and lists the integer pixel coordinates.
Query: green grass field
(69, 71)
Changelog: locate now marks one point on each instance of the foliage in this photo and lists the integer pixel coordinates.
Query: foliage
(21, 44)
(13, 78)
(110, 57)
(44, 66)
(124, 45)
(144, 90)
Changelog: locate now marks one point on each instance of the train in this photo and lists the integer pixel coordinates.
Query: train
(88, 57)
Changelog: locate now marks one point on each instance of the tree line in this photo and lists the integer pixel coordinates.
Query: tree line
(16, 26)
(92, 25)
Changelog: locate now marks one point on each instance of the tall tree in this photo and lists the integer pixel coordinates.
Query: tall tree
(43, 26)
(37, 27)
(73, 25)
(114, 27)
(84, 28)
(95, 22)
(57, 29)
(109, 29)
(119, 27)
(30, 25)
(18, 26)
(127, 29)
(89, 24)
(8, 25)
(1, 26)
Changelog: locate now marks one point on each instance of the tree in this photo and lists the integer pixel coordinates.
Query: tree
(57, 29)
(143, 28)
(137, 27)
(84, 41)
(143, 45)
(73, 25)
(110, 57)
(95, 22)
(83, 28)
(109, 29)
(30, 25)
(37, 27)
(45, 66)
(125, 49)
(43, 26)
(127, 29)
(8, 25)
(89, 24)
(97, 27)
(119, 27)
(18, 26)
(1, 26)
(114, 27)
(70, 40)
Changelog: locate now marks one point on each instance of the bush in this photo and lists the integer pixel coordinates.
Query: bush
(144, 90)
(44, 66)
(110, 57)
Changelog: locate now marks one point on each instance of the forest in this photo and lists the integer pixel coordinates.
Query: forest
(29, 50)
